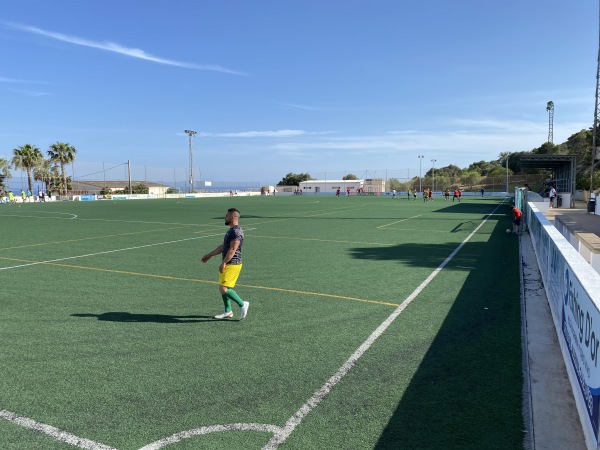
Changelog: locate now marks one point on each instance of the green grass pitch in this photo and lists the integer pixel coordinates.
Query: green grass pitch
(107, 331)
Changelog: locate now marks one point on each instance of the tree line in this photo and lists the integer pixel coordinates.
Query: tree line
(50, 171)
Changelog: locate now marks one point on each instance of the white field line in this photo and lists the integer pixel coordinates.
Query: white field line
(53, 432)
(324, 390)
(398, 221)
(98, 220)
(344, 209)
(112, 251)
(73, 216)
(212, 429)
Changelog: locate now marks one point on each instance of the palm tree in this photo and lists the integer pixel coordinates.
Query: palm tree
(4, 172)
(26, 157)
(47, 172)
(63, 154)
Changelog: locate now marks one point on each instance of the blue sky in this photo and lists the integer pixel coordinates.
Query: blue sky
(271, 87)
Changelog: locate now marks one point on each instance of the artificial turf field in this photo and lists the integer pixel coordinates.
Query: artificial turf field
(108, 341)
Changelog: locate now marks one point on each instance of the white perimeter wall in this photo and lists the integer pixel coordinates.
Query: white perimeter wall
(573, 290)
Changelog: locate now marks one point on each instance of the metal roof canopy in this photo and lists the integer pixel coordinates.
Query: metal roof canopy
(562, 166)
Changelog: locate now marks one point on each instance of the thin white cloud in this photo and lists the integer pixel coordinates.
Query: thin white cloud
(31, 93)
(15, 81)
(268, 134)
(304, 107)
(259, 134)
(472, 140)
(403, 132)
(117, 48)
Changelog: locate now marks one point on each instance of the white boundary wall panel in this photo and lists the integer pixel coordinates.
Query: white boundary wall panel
(586, 253)
(573, 290)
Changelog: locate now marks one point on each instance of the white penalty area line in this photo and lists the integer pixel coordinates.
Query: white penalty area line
(111, 251)
(398, 221)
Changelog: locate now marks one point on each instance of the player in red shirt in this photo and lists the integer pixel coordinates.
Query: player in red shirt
(455, 196)
(517, 222)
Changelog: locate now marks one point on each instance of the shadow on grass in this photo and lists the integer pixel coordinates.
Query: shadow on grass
(420, 255)
(119, 316)
(466, 393)
(470, 207)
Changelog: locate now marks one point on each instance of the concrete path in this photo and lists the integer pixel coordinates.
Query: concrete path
(553, 415)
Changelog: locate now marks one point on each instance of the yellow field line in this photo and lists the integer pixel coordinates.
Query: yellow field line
(398, 221)
(96, 237)
(194, 280)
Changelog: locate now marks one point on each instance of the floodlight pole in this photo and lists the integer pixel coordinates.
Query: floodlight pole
(595, 153)
(129, 175)
(507, 174)
(433, 172)
(420, 178)
(191, 134)
(550, 109)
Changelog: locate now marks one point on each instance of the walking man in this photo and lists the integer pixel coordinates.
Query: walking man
(552, 196)
(231, 265)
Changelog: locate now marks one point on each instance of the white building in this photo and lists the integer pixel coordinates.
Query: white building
(330, 186)
(371, 185)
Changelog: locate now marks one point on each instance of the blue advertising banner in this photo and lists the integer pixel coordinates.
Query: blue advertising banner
(581, 328)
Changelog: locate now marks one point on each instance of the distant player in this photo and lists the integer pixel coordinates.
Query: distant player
(231, 265)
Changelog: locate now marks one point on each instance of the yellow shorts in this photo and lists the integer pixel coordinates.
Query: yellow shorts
(229, 276)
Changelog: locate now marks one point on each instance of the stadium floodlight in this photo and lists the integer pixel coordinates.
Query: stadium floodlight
(595, 131)
(507, 157)
(191, 134)
(433, 172)
(550, 109)
(420, 179)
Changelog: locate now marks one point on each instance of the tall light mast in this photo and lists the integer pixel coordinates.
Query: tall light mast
(595, 152)
(420, 178)
(550, 109)
(191, 134)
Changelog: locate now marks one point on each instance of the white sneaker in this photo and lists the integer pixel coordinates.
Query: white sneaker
(244, 310)
(224, 315)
